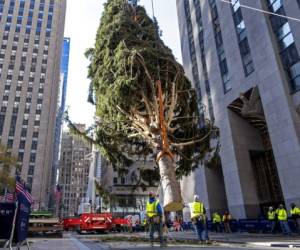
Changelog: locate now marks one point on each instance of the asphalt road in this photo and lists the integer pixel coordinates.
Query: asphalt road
(72, 243)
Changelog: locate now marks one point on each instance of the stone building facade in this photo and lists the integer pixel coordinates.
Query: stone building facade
(74, 165)
(128, 197)
(31, 36)
(245, 67)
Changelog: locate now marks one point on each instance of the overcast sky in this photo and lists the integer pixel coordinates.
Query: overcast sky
(82, 21)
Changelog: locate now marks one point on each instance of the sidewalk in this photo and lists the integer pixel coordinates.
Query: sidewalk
(189, 237)
(244, 238)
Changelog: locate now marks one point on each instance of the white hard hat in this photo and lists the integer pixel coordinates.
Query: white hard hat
(196, 197)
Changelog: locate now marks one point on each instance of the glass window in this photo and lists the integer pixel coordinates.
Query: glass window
(289, 56)
(22, 144)
(20, 156)
(13, 125)
(32, 157)
(23, 132)
(275, 4)
(2, 118)
(295, 76)
(34, 145)
(31, 169)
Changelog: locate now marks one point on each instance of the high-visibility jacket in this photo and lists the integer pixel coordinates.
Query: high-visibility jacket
(226, 218)
(197, 209)
(282, 214)
(151, 208)
(271, 215)
(144, 222)
(216, 218)
(295, 211)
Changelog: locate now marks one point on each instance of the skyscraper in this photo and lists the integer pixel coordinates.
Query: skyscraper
(245, 67)
(31, 37)
(74, 165)
(64, 67)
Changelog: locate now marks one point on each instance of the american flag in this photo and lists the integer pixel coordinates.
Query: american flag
(20, 188)
(9, 197)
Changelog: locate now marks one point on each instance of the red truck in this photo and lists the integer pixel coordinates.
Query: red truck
(90, 222)
(71, 223)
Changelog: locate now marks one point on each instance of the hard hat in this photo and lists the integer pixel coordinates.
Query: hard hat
(151, 194)
(196, 197)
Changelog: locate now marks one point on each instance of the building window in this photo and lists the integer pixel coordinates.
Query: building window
(10, 143)
(219, 46)
(22, 144)
(242, 37)
(32, 157)
(20, 156)
(122, 180)
(115, 180)
(287, 49)
(35, 134)
(23, 132)
(13, 125)
(192, 48)
(31, 169)
(34, 145)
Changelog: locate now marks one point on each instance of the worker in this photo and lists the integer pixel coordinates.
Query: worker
(282, 218)
(272, 219)
(145, 225)
(199, 219)
(155, 215)
(216, 222)
(226, 221)
(295, 215)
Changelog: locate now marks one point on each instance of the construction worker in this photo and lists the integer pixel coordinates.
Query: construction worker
(155, 215)
(282, 218)
(295, 215)
(226, 221)
(145, 225)
(216, 222)
(199, 219)
(272, 219)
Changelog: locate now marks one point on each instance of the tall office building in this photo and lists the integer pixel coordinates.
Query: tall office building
(61, 105)
(74, 165)
(245, 67)
(129, 191)
(31, 37)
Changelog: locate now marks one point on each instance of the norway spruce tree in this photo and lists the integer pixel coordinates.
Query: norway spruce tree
(145, 105)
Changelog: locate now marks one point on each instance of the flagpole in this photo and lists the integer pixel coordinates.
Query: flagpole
(5, 193)
(9, 242)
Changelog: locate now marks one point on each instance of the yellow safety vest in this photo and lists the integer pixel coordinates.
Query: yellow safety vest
(295, 210)
(196, 209)
(216, 218)
(282, 215)
(271, 215)
(151, 208)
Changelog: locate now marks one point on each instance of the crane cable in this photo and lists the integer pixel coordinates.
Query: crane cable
(262, 11)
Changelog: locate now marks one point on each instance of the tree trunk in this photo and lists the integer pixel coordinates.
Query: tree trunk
(169, 184)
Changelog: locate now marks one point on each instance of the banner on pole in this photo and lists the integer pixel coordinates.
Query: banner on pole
(7, 211)
(22, 223)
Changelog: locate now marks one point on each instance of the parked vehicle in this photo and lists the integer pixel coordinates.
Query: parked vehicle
(90, 222)
(71, 223)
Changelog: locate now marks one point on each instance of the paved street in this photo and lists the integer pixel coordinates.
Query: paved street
(75, 244)
(72, 241)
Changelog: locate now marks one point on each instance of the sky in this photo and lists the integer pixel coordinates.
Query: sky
(82, 21)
